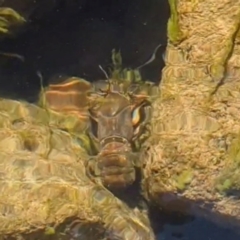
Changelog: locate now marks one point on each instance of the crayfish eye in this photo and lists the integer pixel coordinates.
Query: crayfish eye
(136, 116)
(139, 119)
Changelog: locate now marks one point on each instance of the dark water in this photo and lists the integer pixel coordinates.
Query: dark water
(75, 44)
(197, 229)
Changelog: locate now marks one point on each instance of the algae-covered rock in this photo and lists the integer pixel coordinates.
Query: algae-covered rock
(193, 160)
(45, 190)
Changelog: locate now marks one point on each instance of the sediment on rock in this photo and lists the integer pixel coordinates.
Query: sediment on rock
(192, 161)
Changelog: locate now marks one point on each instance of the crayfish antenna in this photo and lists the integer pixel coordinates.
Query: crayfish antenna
(105, 73)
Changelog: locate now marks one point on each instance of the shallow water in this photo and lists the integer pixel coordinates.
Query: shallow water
(83, 43)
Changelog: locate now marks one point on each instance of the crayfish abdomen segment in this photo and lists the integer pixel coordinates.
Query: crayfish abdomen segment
(117, 171)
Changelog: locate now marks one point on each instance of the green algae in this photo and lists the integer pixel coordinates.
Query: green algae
(9, 18)
(225, 185)
(229, 178)
(234, 150)
(49, 231)
(183, 179)
(175, 34)
(118, 72)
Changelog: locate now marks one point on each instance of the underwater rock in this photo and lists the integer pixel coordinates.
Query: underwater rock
(45, 189)
(192, 162)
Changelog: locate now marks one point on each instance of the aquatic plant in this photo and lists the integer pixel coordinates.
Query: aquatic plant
(9, 18)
